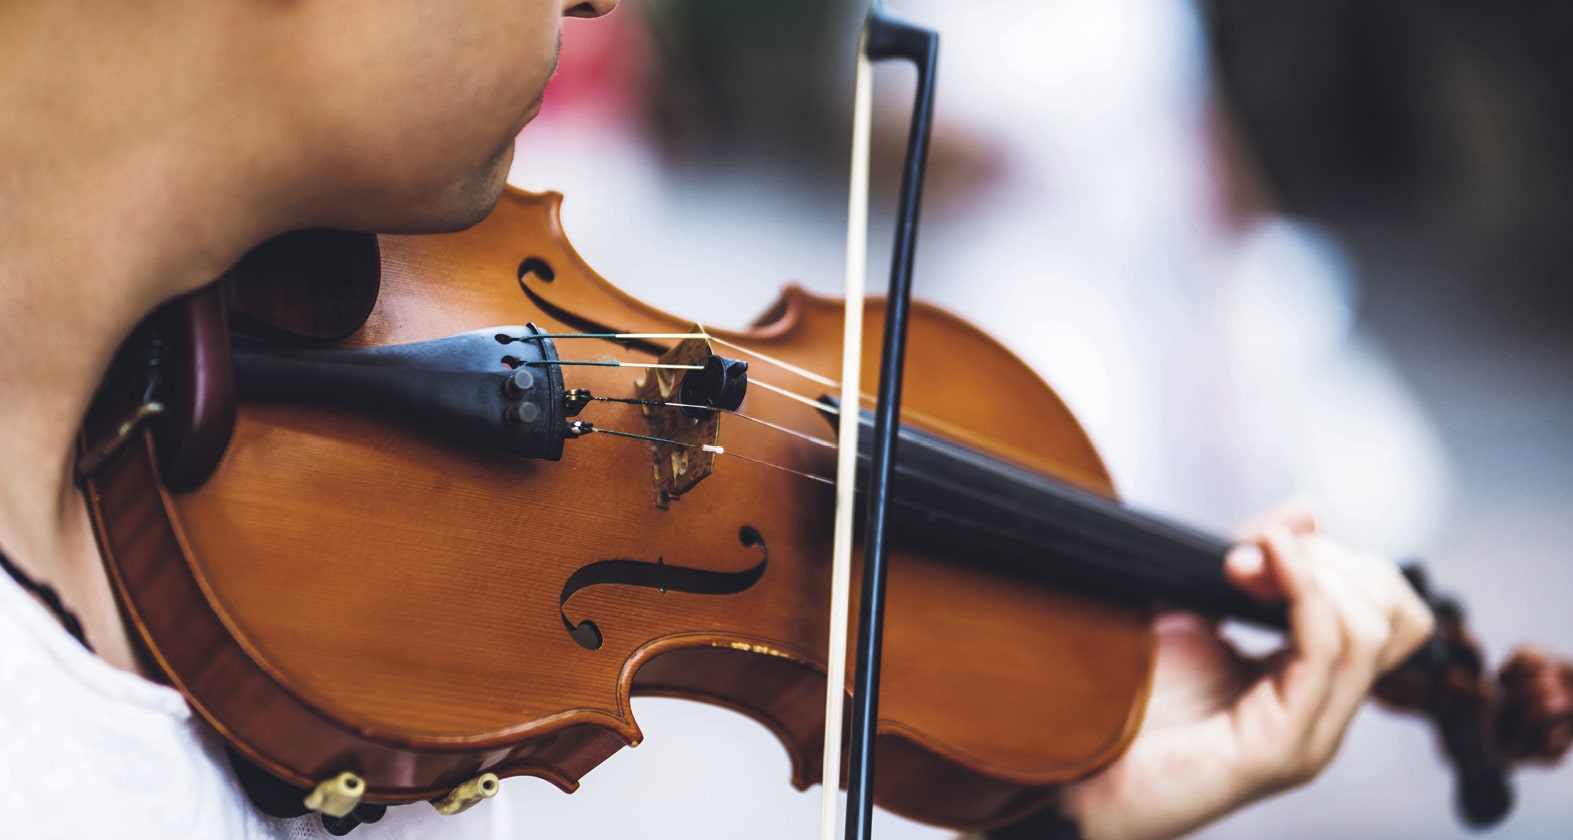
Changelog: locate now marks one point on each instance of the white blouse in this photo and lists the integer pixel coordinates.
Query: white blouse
(88, 751)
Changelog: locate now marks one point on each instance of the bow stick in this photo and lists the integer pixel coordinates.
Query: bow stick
(883, 38)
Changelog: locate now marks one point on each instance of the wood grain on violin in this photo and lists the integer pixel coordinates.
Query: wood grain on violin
(350, 593)
(451, 544)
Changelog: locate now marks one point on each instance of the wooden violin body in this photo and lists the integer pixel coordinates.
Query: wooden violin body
(347, 593)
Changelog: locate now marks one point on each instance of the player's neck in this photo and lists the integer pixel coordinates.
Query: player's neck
(114, 196)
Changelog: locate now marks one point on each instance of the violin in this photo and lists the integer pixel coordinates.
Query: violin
(443, 504)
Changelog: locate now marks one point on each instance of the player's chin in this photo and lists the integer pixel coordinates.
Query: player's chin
(457, 203)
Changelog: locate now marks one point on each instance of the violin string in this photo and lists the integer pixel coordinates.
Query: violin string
(817, 405)
(913, 504)
(705, 447)
(706, 336)
(618, 337)
(817, 441)
(780, 363)
(799, 473)
(608, 363)
(710, 448)
(1138, 528)
(1086, 533)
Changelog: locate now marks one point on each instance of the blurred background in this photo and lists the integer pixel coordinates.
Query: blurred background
(1306, 247)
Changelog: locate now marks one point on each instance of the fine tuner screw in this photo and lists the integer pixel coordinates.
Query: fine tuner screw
(521, 381)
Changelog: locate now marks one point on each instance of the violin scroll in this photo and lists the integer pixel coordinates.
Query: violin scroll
(1485, 725)
(1535, 714)
(306, 596)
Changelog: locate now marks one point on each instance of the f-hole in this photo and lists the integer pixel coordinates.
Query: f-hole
(658, 576)
(537, 267)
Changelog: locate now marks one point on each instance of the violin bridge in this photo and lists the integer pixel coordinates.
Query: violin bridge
(685, 461)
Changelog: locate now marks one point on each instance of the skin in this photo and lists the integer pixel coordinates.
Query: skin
(148, 146)
(1224, 730)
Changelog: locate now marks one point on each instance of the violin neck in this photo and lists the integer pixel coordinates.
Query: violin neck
(1027, 525)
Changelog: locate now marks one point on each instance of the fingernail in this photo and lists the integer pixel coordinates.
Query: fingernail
(1245, 560)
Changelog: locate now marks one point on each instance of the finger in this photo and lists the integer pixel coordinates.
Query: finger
(1380, 619)
(1247, 568)
(1304, 681)
(1410, 618)
(1296, 514)
(1386, 595)
(1417, 627)
(1197, 672)
(1277, 717)
(1349, 618)
(1366, 631)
